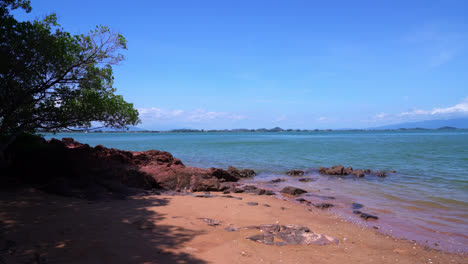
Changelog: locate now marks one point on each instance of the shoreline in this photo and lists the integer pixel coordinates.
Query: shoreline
(390, 222)
(168, 228)
(157, 169)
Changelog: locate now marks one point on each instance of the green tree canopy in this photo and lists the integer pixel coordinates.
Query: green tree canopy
(51, 79)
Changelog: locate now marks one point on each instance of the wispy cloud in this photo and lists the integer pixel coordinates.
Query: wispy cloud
(198, 115)
(460, 109)
(322, 118)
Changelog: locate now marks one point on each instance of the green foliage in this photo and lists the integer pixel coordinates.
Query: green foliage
(51, 79)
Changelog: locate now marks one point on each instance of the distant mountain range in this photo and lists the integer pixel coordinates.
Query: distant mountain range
(430, 124)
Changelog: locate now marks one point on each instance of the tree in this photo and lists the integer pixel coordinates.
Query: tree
(52, 80)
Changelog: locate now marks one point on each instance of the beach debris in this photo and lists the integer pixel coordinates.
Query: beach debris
(356, 206)
(252, 203)
(211, 222)
(273, 234)
(292, 190)
(246, 173)
(307, 179)
(278, 180)
(324, 205)
(365, 215)
(266, 205)
(231, 229)
(295, 173)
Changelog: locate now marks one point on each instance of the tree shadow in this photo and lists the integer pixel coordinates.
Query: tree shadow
(42, 228)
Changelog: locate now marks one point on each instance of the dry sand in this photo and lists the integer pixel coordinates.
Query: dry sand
(44, 228)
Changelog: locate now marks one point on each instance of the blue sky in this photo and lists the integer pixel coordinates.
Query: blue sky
(293, 64)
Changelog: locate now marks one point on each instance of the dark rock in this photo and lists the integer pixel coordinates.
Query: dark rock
(292, 190)
(237, 190)
(323, 205)
(256, 191)
(295, 173)
(246, 173)
(301, 200)
(367, 216)
(252, 203)
(268, 192)
(266, 205)
(358, 173)
(222, 174)
(277, 180)
(306, 179)
(380, 173)
(249, 187)
(226, 192)
(356, 206)
(321, 196)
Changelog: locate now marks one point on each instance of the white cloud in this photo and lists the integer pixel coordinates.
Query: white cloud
(198, 115)
(459, 108)
(322, 118)
(381, 115)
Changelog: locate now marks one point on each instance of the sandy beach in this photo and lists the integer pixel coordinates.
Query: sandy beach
(44, 228)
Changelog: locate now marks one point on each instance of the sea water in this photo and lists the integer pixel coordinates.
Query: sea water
(425, 200)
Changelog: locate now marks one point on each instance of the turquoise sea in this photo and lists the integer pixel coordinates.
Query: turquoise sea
(425, 200)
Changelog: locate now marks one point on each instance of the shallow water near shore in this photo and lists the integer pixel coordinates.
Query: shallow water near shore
(425, 200)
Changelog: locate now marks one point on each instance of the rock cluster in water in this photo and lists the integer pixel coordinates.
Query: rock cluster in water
(340, 170)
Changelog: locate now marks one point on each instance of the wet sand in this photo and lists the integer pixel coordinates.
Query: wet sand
(43, 228)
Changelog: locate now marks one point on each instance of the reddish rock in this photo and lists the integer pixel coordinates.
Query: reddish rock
(71, 168)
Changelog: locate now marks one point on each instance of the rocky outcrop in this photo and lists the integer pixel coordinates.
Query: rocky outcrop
(281, 235)
(70, 168)
(292, 190)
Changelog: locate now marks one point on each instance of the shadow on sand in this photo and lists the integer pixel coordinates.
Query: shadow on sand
(43, 228)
